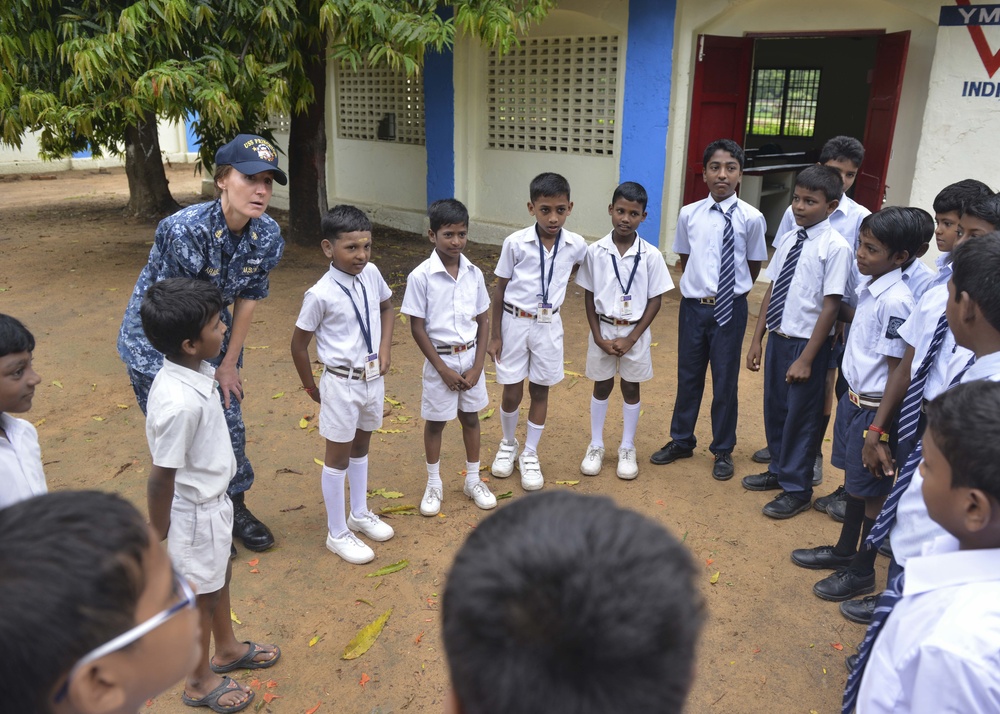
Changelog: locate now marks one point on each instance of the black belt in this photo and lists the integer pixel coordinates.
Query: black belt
(454, 349)
(616, 321)
(518, 312)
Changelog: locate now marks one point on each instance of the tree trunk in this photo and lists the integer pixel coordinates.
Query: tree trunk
(307, 200)
(149, 195)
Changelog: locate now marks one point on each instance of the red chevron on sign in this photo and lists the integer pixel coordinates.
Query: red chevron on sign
(991, 60)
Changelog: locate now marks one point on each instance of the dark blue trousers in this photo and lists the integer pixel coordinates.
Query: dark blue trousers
(702, 342)
(792, 412)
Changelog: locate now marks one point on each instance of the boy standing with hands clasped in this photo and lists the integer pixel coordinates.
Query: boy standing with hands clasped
(448, 306)
(624, 278)
(193, 462)
(350, 314)
(526, 338)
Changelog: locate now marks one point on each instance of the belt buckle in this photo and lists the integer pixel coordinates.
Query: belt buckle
(459, 348)
(707, 300)
(855, 399)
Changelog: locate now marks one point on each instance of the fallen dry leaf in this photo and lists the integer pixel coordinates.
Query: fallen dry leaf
(366, 637)
(837, 646)
(389, 569)
(715, 578)
(487, 414)
(418, 638)
(233, 617)
(314, 709)
(365, 679)
(567, 483)
(270, 697)
(271, 684)
(279, 395)
(253, 562)
(314, 640)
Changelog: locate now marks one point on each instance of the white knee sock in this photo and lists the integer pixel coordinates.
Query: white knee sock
(630, 420)
(471, 473)
(332, 484)
(434, 476)
(357, 475)
(598, 413)
(534, 434)
(508, 422)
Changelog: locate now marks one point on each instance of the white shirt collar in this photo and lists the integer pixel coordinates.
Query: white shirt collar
(943, 565)
(341, 277)
(608, 244)
(815, 230)
(725, 203)
(985, 367)
(882, 283)
(437, 266)
(202, 380)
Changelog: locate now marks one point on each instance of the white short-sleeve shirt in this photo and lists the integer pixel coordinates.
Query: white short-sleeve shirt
(918, 331)
(918, 277)
(883, 306)
(597, 274)
(845, 219)
(823, 269)
(699, 236)
(328, 312)
(186, 430)
(21, 474)
(939, 650)
(944, 270)
(520, 264)
(448, 306)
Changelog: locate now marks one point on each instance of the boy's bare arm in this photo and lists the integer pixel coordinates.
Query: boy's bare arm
(755, 351)
(496, 341)
(418, 328)
(482, 334)
(385, 343)
(875, 454)
(684, 261)
(801, 369)
(754, 266)
(624, 344)
(300, 358)
(590, 308)
(159, 496)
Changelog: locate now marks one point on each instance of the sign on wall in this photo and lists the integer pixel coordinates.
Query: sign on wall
(975, 18)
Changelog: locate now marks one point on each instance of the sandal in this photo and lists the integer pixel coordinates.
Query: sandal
(211, 700)
(247, 661)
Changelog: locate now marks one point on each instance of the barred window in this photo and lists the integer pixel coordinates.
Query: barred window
(379, 104)
(783, 102)
(555, 94)
(279, 123)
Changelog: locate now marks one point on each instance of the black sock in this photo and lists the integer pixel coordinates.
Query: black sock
(864, 559)
(824, 423)
(853, 522)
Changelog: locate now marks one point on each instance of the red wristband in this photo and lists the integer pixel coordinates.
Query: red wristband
(877, 430)
(309, 390)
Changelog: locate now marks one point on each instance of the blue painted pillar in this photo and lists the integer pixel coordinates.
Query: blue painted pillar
(439, 120)
(645, 111)
(193, 143)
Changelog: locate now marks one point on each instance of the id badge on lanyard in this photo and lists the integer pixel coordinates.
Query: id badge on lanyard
(625, 301)
(372, 370)
(544, 313)
(626, 306)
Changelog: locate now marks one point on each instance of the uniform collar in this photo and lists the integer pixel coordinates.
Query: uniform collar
(882, 283)
(943, 565)
(341, 277)
(221, 231)
(608, 244)
(817, 229)
(202, 380)
(438, 267)
(724, 204)
(985, 367)
(531, 234)
(11, 425)
(844, 203)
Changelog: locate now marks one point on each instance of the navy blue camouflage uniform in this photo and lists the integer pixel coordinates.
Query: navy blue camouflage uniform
(195, 242)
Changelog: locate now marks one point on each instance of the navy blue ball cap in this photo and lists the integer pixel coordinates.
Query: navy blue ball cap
(251, 154)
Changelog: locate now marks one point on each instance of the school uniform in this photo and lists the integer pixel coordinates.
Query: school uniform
(342, 311)
(449, 307)
(939, 650)
(791, 418)
(531, 327)
(944, 270)
(186, 430)
(701, 340)
(918, 276)
(21, 474)
(884, 305)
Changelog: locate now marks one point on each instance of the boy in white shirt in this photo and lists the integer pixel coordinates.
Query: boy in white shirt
(448, 306)
(624, 278)
(21, 474)
(193, 462)
(526, 335)
(350, 313)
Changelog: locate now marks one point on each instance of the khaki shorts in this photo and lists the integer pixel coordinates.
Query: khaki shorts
(199, 540)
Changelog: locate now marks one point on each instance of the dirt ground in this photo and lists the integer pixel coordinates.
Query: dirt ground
(69, 262)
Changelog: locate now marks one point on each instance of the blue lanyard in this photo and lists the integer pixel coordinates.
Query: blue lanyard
(365, 332)
(541, 260)
(635, 266)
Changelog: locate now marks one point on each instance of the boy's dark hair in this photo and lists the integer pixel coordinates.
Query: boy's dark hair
(343, 218)
(176, 309)
(726, 145)
(923, 224)
(447, 212)
(986, 208)
(843, 147)
(897, 228)
(548, 185)
(631, 191)
(955, 197)
(567, 603)
(825, 179)
(14, 336)
(966, 424)
(70, 580)
(976, 271)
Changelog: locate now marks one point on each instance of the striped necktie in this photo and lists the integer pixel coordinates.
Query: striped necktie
(887, 517)
(776, 308)
(909, 414)
(886, 602)
(727, 269)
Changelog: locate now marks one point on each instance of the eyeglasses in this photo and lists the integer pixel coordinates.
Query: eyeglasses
(125, 639)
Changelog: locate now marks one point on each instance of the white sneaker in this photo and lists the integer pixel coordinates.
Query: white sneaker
(503, 462)
(628, 469)
(349, 547)
(531, 472)
(430, 504)
(593, 461)
(480, 493)
(371, 525)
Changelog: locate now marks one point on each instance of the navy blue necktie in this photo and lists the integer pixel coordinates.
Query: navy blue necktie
(909, 414)
(883, 607)
(727, 269)
(776, 308)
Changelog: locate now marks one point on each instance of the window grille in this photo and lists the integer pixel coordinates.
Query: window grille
(379, 104)
(783, 102)
(279, 123)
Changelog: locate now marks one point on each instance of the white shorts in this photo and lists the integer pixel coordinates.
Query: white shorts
(530, 349)
(347, 405)
(438, 403)
(636, 365)
(199, 539)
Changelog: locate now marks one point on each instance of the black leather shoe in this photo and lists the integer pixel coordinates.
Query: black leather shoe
(254, 535)
(837, 509)
(885, 549)
(844, 585)
(723, 468)
(670, 453)
(859, 611)
(851, 662)
(762, 456)
(786, 505)
(232, 551)
(822, 502)
(820, 558)
(766, 481)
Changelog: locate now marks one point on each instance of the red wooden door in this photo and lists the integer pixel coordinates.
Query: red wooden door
(718, 102)
(887, 83)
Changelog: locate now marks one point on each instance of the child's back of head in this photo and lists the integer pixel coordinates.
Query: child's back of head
(898, 228)
(447, 212)
(976, 272)
(343, 219)
(822, 179)
(548, 185)
(176, 309)
(564, 602)
(841, 148)
(953, 198)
